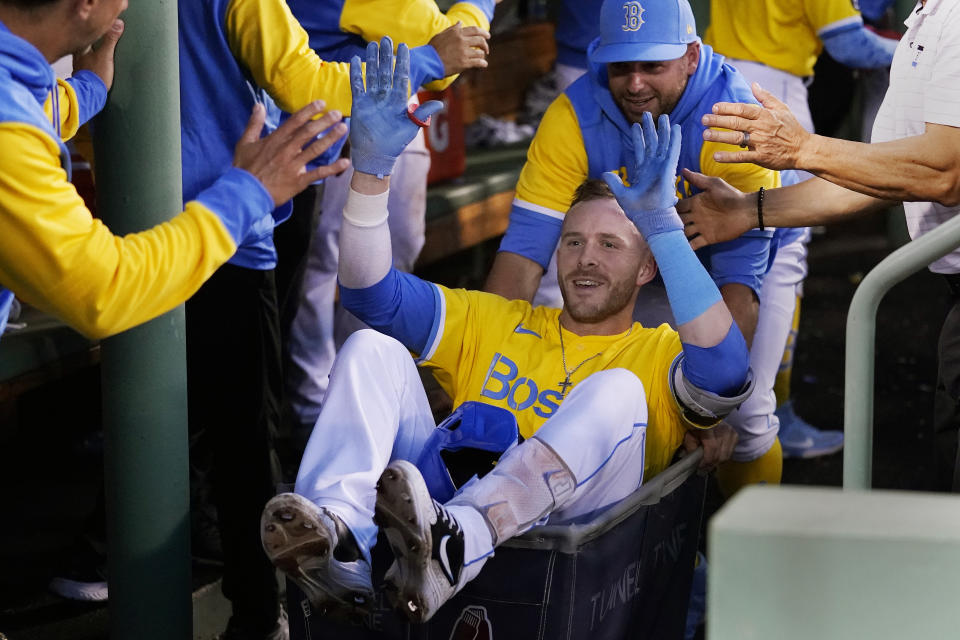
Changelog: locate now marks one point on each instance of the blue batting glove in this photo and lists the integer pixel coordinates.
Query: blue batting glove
(380, 127)
(649, 200)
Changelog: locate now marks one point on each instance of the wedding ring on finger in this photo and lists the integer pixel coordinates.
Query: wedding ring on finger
(746, 139)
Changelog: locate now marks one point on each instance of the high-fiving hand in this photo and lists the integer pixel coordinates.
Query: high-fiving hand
(381, 126)
(649, 200)
(771, 135)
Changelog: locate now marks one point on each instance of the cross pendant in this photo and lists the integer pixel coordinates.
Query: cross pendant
(564, 386)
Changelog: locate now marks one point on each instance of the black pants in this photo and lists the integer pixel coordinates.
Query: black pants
(233, 369)
(946, 404)
(292, 240)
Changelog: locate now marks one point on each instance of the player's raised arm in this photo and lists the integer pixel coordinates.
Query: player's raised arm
(715, 353)
(381, 128)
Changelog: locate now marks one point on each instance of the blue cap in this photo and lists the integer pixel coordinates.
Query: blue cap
(644, 31)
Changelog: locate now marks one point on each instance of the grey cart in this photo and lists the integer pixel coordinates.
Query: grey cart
(624, 574)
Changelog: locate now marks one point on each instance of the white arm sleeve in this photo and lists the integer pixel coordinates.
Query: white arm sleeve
(365, 255)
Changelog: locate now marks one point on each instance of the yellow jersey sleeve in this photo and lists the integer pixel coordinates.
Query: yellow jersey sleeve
(57, 257)
(414, 22)
(69, 109)
(266, 37)
(827, 15)
(556, 162)
(745, 176)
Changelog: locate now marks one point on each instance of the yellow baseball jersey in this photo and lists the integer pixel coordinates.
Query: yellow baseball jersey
(414, 22)
(756, 30)
(508, 354)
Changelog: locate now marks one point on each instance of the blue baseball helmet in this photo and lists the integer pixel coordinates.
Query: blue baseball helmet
(643, 31)
(473, 425)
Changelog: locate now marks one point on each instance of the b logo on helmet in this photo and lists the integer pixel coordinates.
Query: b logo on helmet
(633, 19)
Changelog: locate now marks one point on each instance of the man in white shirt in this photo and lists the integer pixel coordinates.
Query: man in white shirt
(914, 158)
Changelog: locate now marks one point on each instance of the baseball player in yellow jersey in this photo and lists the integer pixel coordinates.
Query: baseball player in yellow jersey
(600, 402)
(784, 41)
(53, 253)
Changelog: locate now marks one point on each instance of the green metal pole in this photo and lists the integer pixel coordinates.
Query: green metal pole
(861, 338)
(137, 146)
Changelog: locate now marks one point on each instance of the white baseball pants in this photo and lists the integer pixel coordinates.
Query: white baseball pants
(376, 411)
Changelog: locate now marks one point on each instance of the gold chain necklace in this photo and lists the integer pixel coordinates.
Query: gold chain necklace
(566, 384)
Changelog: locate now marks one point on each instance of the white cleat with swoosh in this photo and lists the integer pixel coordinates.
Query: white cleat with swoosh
(426, 540)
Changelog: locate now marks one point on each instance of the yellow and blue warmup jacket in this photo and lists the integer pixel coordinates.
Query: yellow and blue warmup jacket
(231, 52)
(584, 133)
(53, 254)
(506, 353)
(341, 29)
(756, 30)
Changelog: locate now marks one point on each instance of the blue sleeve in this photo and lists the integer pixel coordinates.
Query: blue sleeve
(874, 9)
(6, 302)
(743, 260)
(690, 289)
(859, 48)
(531, 235)
(91, 93)
(721, 369)
(425, 66)
(401, 306)
(487, 6)
(239, 200)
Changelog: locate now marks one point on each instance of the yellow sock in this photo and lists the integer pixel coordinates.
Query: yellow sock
(781, 385)
(767, 469)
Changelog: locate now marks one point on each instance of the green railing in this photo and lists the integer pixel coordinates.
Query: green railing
(861, 339)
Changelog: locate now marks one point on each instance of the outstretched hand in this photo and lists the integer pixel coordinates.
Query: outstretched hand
(279, 160)
(718, 213)
(381, 127)
(771, 135)
(648, 201)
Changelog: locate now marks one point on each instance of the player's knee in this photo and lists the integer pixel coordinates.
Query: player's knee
(368, 344)
(615, 395)
(613, 384)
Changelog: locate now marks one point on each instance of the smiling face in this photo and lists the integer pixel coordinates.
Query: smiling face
(601, 263)
(651, 86)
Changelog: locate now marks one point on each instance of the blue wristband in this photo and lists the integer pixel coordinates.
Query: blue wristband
(690, 289)
(650, 223)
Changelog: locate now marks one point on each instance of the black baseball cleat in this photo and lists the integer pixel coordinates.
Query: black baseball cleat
(317, 551)
(426, 540)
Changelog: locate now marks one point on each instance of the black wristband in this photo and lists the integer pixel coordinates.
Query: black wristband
(760, 208)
